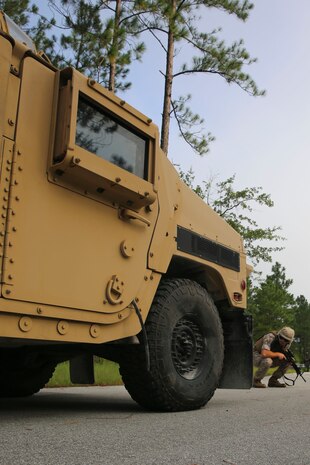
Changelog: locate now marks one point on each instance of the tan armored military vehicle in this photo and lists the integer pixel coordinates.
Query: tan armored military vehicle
(104, 250)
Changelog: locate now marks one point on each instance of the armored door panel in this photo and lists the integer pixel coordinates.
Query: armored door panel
(77, 241)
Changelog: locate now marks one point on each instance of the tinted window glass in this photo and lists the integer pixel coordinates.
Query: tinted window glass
(99, 133)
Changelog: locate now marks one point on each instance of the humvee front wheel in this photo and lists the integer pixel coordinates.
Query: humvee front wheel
(186, 350)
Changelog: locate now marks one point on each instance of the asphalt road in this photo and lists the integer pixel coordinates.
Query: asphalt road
(103, 426)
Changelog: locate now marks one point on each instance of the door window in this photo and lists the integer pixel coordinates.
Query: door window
(101, 134)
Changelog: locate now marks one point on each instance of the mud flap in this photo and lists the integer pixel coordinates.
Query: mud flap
(82, 369)
(238, 356)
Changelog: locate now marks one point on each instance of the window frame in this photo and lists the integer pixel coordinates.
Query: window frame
(117, 185)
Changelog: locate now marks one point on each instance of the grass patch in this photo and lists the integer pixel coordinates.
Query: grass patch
(106, 374)
(272, 370)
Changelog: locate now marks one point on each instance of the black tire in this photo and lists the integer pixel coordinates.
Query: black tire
(22, 375)
(186, 350)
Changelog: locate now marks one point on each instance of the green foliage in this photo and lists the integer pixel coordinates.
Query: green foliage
(96, 38)
(187, 123)
(273, 306)
(32, 22)
(217, 58)
(39, 34)
(174, 25)
(100, 40)
(302, 326)
(18, 10)
(271, 303)
(236, 207)
(82, 35)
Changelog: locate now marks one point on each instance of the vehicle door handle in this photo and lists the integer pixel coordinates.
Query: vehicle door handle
(127, 214)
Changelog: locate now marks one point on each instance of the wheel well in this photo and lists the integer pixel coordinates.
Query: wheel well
(204, 275)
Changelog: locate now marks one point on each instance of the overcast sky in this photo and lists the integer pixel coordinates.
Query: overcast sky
(263, 140)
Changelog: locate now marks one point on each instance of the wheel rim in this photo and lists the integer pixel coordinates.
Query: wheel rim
(188, 348)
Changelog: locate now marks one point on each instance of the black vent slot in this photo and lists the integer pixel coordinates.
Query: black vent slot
(199, 246)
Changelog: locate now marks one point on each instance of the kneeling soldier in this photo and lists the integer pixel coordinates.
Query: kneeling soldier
(269, 351)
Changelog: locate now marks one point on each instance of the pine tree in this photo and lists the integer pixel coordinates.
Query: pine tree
(33, 23)
(101, 38)
(18, 10)
(177, 20)
(271, 303)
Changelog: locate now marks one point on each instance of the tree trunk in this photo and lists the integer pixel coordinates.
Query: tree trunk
(114, 47)
(168, 83)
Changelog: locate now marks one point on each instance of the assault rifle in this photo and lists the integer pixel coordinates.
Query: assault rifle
(291, 359)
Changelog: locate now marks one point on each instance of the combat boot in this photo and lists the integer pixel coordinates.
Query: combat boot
(258, 384)
(274, 382)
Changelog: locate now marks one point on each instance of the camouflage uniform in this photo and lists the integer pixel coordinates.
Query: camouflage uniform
(269, 342)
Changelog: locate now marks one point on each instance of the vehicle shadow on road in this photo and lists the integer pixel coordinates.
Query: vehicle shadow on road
(53, 404)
